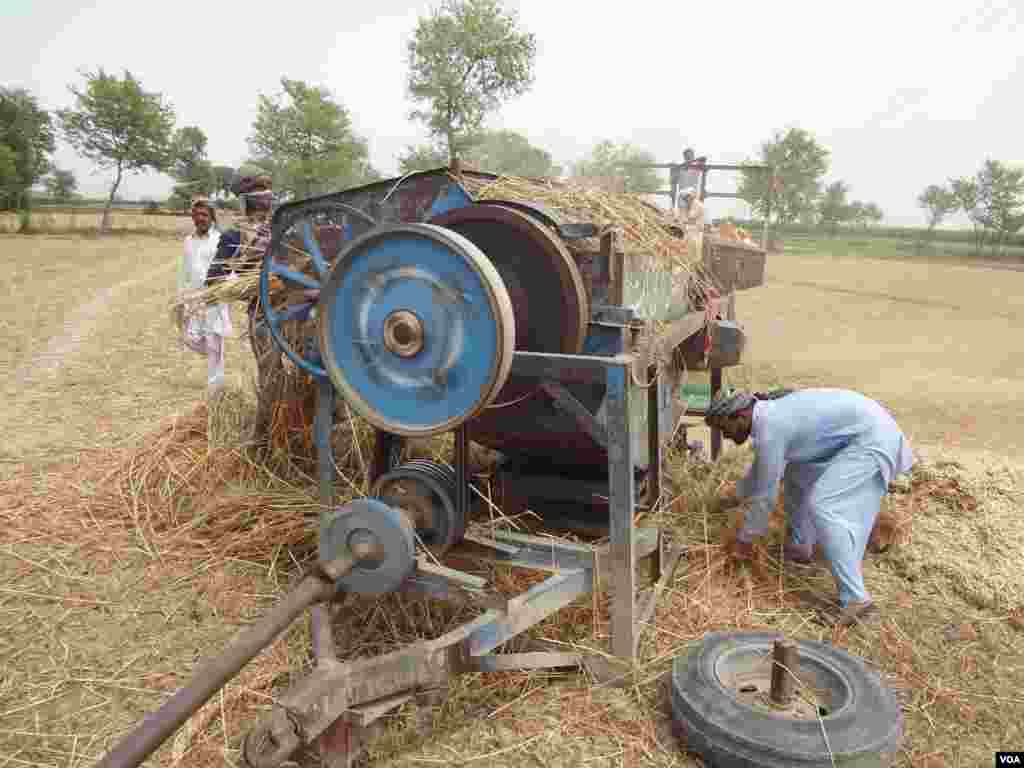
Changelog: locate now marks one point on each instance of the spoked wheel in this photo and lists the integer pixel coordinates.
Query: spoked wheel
(723, 711)
(301, 255)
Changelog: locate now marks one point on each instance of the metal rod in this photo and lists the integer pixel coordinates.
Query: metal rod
(461, 471)
(323, 423)
(716, 435)
(655, 401)
(784, 667)
(621, 507)
(158, 726)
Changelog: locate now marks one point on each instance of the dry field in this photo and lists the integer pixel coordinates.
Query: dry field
(105, 604)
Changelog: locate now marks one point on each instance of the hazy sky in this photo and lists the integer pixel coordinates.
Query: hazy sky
(904, 94)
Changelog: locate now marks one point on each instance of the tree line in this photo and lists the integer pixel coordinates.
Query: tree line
(465, 59)
(794, 189)
(992, 200)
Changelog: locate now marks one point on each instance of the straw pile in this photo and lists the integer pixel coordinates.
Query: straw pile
(648, 239)
(213, 527)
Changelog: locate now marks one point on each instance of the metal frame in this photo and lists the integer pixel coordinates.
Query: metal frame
(336, 705)
(673, 193)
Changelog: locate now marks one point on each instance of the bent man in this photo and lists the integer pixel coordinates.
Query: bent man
(836, 452)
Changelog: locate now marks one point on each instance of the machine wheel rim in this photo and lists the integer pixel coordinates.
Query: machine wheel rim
(499, 306)
(576, 315)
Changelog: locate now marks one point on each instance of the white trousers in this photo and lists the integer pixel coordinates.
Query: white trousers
(211, 345)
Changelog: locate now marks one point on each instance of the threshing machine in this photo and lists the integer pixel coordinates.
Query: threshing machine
(516, 329)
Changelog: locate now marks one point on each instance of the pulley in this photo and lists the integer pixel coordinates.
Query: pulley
(425, 490)
(417, 331)
(549, 297)
(370, 525)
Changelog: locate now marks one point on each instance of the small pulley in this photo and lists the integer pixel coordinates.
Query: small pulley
(417, 330)
(426, 491)
(370, 525)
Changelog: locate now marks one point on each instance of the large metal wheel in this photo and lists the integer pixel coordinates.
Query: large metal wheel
(722, 712)
(417, 330)
(309, 241)
(548, 294)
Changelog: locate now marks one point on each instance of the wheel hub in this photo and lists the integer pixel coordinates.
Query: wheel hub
(403, 333)
(746, 674)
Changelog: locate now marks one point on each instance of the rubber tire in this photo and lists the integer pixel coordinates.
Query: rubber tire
(727, 734)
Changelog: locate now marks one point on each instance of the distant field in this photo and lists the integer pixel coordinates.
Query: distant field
(81, 222)
(876, 247)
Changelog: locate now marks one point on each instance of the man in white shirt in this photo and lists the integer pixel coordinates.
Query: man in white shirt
(836, 452)
(204, 328)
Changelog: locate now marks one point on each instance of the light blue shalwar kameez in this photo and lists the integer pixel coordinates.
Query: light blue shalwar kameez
(836, 452)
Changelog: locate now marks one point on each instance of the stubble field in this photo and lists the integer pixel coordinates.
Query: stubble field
(100, 619)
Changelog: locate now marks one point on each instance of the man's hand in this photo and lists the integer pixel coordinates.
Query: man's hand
(728, 498)
(743, 550)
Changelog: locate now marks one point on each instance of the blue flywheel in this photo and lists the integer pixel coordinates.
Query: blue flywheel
(417, 330)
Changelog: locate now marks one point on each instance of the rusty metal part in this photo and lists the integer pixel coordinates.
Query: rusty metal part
(382, 538)
(403, 333)
(784, 670)
(156, 728)
(548, 295)
(427, 492)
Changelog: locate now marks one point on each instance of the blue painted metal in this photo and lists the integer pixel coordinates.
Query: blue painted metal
(299, 216)
(313, 249)
(388, 528)
(542, 600)
(323, 424)
(461, 344)
(295, 277)
(604, 340)
(454, 196)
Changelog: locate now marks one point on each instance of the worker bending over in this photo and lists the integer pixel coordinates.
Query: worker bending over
(836, 452)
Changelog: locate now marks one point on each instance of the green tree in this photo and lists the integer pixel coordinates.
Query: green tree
(511, 153)
(26, 142)
(191, 169)
(799, 162)
(223, 176)
(618, 167)
(424, 157)
(858, 213)
(501, 152)
(965, 190)
(61, 185)
(306, 139)
(938, 202)
(1000, 199)
(873, 214)
(119, 126)
(465, 59)
(834, 208)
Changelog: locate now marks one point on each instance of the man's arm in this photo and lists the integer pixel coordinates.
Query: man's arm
(761, 484)
(227, 248)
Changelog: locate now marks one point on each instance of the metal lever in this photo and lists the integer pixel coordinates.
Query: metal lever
(315, 587)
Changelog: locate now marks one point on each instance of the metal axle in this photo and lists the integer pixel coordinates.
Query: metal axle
(157, 727)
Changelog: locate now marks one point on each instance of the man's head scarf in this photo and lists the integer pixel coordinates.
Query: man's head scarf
(255, 187)
(728, 403)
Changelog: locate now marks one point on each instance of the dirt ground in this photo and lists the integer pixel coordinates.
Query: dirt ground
(96, 628)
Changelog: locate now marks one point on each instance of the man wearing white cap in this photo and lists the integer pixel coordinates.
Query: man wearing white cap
(203, 329)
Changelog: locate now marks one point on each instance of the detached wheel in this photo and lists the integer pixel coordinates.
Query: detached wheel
(722, 709)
